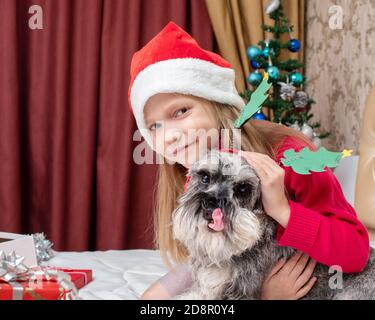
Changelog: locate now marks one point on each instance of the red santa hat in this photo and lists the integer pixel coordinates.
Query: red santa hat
(174, 62)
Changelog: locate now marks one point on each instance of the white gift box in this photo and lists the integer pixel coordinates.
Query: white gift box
(22, 245)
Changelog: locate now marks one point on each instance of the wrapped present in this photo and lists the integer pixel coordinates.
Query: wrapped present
(19, 282)
(39, 290)
(80, 277)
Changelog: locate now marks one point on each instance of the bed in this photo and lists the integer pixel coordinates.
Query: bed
(118, 274)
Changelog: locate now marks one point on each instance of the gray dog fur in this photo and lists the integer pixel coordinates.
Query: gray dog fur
(232, 264)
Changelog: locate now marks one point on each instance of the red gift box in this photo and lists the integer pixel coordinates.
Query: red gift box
(44, 289)
(25, 290)
(80, 277)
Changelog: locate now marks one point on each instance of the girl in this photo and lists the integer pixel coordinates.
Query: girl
(177, 88)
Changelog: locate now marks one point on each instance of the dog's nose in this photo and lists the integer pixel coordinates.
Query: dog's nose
(210, 204)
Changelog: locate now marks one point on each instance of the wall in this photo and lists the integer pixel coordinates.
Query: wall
(340, 67)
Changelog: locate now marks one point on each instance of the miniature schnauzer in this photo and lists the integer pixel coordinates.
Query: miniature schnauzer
(231, 240)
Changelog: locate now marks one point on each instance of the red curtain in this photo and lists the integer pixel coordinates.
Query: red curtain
(66, 131)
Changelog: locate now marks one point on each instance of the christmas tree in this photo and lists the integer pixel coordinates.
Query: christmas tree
(290, 104)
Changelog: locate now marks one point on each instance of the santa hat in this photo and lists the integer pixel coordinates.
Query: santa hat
(174, 62)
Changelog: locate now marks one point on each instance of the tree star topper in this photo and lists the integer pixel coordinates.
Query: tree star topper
(256, 100)
(304, 161)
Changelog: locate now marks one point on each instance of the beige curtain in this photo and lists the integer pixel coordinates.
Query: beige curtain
(237, 25)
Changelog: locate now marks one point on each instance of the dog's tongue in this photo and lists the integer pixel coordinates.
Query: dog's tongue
(218, 223)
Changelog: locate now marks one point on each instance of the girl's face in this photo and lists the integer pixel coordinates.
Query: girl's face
(182, 127)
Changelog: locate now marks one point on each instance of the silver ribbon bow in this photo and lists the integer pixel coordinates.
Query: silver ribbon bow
(11, 266)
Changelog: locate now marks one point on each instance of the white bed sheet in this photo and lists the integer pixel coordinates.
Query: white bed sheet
(117, 274)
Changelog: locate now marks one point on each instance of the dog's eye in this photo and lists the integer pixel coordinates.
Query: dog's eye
(205, 178)
(242, 188)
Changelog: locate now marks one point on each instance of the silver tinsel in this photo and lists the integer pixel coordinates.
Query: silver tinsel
(43, 247)
(287, 91)
(301, 99)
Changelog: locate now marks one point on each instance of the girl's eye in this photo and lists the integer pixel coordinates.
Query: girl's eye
(180, 111)
(154, 126)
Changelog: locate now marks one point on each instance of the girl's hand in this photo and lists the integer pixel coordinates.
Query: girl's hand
(275, 202)
(289, 280)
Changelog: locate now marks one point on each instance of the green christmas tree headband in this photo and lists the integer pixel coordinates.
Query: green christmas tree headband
(301, 162)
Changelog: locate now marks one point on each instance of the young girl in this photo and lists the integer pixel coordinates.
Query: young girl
(177, 88)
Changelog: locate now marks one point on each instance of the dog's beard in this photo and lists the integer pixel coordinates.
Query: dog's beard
(219, 198)
(240, 233)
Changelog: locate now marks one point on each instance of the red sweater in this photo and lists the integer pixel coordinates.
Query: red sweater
(322, 223)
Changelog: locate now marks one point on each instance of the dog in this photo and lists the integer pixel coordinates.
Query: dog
(231, 240)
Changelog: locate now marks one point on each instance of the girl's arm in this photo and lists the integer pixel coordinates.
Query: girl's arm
(287, 280)
(322, 223)
(173, 283)
(156, 292)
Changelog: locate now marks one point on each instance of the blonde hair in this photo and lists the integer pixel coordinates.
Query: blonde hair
(256, 135)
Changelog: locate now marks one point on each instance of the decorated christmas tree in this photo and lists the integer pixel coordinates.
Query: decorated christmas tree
(289, 103)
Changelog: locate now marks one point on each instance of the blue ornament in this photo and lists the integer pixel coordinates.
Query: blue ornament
(273, 72)
(253, 52)
(254, 64)
(254, 78)
(266, 52)
(296, 78)
(259, 116)
(294, 45)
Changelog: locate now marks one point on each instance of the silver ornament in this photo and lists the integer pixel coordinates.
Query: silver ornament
(301, 99)
(307, 130)
(287, 91)
(295, 126)
(317, 142)
(272, 6)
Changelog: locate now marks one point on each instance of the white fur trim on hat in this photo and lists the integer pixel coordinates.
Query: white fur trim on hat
(183, 75)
